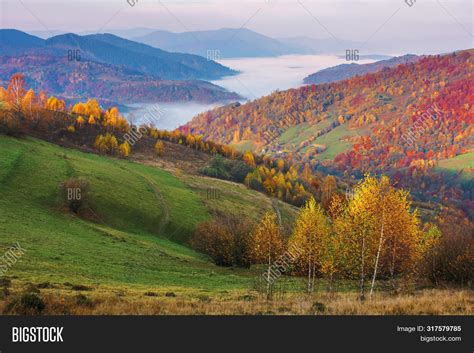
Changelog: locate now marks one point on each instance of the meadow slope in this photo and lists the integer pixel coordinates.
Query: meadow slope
(127, 252)
(137, 223)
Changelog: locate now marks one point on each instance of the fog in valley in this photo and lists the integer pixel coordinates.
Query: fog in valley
(258, 77)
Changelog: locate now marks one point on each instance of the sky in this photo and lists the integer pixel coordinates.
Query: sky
(428, 25)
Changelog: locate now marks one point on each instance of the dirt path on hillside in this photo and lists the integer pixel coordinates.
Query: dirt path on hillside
(159, 197)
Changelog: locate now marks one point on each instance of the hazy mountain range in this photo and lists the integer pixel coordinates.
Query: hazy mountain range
(124, 33)
(110, 49)
(230, 42)
(109, 67)
(234, 42)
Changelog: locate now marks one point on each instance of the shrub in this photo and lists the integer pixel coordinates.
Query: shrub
(80, 121)
(225, 240)
(82, 300)
(10, 123)
(31, 288)
(150, 294)
(213, 239)
(106, 144)
(239, 171)
(452, 258)
(242, 244)
(74, 193)
(80, 287)
(5, 284)
(124, 149)
(26, 304)
(159, 148)
(45, 285)
(228, 169)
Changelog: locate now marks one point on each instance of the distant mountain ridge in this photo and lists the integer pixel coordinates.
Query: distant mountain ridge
(196, 64)
(123, 33)
(345, 71)
(110, 49)
(243, 42)
(230, 42)
(13, 42)
(82, 79)
(109, 68)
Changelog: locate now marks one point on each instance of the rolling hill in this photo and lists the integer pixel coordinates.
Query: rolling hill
(345, 71)
(377, 103)
(134, 233)
(400, 121)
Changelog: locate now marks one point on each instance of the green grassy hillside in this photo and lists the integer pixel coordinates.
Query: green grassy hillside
(128, 254)
(464, 164)
(140, 219)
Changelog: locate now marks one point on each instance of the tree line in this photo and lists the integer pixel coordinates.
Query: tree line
(375, 235)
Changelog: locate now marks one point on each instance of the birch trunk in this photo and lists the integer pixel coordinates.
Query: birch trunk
(269, 266)
(376, 263)
(268, 276)
(362, 297)
(378, 251)
(309, 274)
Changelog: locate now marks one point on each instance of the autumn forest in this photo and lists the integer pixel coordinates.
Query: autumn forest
(357, 190)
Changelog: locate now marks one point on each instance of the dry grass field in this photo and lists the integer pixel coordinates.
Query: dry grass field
(140, 301)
